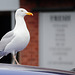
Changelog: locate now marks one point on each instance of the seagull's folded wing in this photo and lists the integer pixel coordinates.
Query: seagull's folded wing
(6, 39)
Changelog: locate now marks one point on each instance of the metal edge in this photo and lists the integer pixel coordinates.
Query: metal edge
(33, 68)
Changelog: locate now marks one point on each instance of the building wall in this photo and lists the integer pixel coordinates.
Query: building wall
(29, 56)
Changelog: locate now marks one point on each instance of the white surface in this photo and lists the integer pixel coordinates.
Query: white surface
(9, 5)
(57, 40)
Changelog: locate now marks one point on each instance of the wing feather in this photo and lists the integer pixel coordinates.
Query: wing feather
(6, 39)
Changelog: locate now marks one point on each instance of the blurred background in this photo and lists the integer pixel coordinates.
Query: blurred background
(44, 32)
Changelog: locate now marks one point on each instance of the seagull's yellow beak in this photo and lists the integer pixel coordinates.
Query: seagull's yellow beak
(29, 13)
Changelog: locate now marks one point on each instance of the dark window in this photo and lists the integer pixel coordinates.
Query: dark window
(5, 26)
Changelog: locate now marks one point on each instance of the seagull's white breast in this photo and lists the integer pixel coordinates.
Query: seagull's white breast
(23, 39)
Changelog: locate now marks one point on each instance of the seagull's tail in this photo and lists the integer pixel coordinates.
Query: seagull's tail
(2, 53)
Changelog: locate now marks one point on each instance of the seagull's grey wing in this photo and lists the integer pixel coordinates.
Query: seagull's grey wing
(6, 39)
(7, 35)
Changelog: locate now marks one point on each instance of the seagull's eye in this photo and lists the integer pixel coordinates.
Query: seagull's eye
(21, 10)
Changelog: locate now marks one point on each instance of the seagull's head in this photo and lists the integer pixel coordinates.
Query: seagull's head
(22, 12)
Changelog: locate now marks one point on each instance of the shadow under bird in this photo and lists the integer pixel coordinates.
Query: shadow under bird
(18, 38)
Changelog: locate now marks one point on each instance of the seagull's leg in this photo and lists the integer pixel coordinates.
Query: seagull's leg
(13, 61)
(16, 60)
(14, 57)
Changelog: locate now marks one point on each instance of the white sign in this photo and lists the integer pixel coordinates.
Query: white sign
(57, 40)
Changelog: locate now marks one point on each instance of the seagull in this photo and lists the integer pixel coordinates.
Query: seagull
(16, 39)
